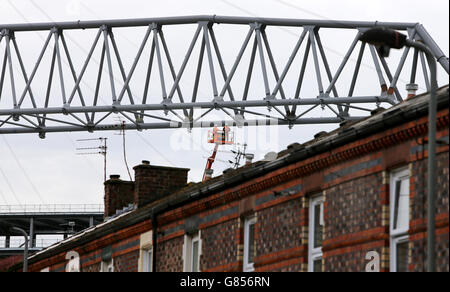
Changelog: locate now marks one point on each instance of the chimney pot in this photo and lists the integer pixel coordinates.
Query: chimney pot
(249, 158)
(114, 176)
(145, 162)
(412, 89)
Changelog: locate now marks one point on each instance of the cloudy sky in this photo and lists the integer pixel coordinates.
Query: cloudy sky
(35, 171)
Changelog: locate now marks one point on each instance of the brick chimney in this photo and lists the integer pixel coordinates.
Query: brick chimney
(154, 182)
(118, 194)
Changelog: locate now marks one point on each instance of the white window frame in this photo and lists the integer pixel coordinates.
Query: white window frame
(146, 252)
(394, 242)
(188, 251)
(314, 253)
(147, 263)
(248, 267)
(401, 174)
(398, 235)
(106, 266)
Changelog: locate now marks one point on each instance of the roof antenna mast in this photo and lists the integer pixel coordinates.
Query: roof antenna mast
(122, 133)
(102, 150)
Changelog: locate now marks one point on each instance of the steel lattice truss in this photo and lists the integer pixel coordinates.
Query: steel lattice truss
(71, 109)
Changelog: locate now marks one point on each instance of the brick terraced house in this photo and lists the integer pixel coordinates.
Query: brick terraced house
(332, 204)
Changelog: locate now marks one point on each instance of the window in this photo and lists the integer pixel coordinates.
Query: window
(107, 266)
(399, 222)
(147, 265)
(316, 223)
(249, 244)
(399, 254)
(192, 251)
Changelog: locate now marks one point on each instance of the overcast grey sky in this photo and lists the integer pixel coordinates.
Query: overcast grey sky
(35, 171)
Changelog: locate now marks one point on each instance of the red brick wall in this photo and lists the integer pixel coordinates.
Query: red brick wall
(125, 254)
(220, 247)
(418, 232)
(278, 238)
(170, 255)
(351, 258)
(127, 262)
(125, 246)
(353, 223)
(6, 263)
(353, 206)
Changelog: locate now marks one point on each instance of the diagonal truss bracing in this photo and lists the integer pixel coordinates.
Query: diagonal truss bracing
(148, 88)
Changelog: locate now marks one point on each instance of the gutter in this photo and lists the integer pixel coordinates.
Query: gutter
(154, 240)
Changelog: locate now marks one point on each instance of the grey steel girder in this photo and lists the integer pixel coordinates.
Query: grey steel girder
(23, 110)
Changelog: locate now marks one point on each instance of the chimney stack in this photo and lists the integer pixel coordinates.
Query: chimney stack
(118, 194)
(154, 182)
(151, 183)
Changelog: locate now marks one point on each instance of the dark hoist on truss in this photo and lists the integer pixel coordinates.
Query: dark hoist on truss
(218, 137)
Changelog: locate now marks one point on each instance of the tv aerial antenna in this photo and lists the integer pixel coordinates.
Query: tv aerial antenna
(122, 133)
(239, 154)
(102, 149)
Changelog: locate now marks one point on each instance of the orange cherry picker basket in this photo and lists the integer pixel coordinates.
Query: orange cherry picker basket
(218, 137)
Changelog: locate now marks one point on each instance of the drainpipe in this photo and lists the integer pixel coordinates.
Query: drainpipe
(431, 181)
(154, 240)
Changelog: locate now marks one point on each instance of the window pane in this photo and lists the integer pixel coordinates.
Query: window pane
(251, 243)
(149, 261)
(318, 228)
(403, 206)
(402, 257)
(195, 256)
(317, 265)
